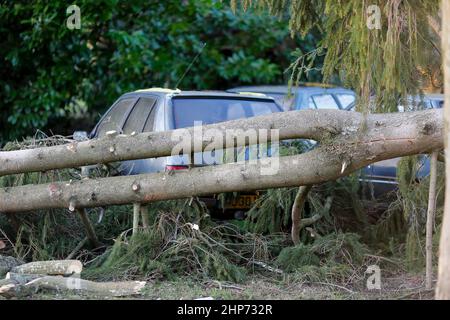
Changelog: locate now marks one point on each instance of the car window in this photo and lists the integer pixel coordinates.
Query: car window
(345, 99)
(325, 101)
(159, 121)
(284, 100)
(137, 118)
(259, 109)
(234, 111)
(213, 110)
(114, 119)
(438, 103)
(150, 122)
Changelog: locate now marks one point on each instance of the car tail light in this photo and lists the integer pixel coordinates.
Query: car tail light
(172, 168)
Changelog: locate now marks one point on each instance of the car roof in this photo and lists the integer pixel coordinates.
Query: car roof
(284, 89)
(204, 93)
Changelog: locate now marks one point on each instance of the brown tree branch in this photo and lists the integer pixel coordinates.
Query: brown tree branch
(297, 209)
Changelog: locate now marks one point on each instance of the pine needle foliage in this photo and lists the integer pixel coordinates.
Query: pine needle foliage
(402, 227)
(331, 250)
(173, 246)
(389, 62)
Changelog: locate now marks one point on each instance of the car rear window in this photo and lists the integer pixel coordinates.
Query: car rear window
(213, 110)
(345, 99)
(114, 119)
(325, 101)
(137, 118)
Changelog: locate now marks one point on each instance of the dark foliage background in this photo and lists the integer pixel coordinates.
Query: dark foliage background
(54, 78)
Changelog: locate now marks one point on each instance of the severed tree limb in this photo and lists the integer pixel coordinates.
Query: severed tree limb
(308, 124)
(443, 284)
(21, 279)
(56, 267)
(18, 285)
(144, 216)
(9, 288)
(136, 216)
(297, 209)
(382, 137)
(311, 124)
(80, 286)
(313, 232)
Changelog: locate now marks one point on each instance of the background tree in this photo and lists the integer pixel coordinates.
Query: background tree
(443, 286)
(54, 77)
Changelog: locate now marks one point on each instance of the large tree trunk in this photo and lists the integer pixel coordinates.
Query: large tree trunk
(430, 221)
(53, 268)
(358, 142)
(443, 286)
(309, 124)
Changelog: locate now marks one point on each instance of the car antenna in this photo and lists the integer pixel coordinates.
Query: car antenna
(191, 64)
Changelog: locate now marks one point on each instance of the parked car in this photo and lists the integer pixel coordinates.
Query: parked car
(381, 177)
(307, 96)
(159, 109)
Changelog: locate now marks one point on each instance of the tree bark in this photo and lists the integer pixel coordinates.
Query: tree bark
(443, 285)
(430, 221)
(308, 124)
(136, 216)
(81, 286)
(297, 209)
(144, 217)
(18, 285)
(56, 267)
(378, 138)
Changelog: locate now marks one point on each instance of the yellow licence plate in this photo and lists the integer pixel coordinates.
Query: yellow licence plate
(241, 202)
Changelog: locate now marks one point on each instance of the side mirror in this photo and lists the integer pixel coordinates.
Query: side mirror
(80, 136)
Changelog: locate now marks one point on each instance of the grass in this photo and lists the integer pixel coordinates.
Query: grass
(235, 259)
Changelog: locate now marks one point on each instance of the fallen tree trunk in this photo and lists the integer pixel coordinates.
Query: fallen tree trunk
(20, 278)
(17, 285)
(55, 267)
(308, 124)
(443, 284)
(80, 286)
(378, 138)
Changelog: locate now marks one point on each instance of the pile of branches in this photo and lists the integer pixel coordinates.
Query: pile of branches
(174, 245)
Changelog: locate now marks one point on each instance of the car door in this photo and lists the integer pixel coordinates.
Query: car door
(140, 119)
(114, 117)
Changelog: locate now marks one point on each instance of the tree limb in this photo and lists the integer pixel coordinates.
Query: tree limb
(297, 209)
(382, 137)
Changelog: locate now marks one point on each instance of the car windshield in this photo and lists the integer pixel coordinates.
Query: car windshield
(213, 110)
